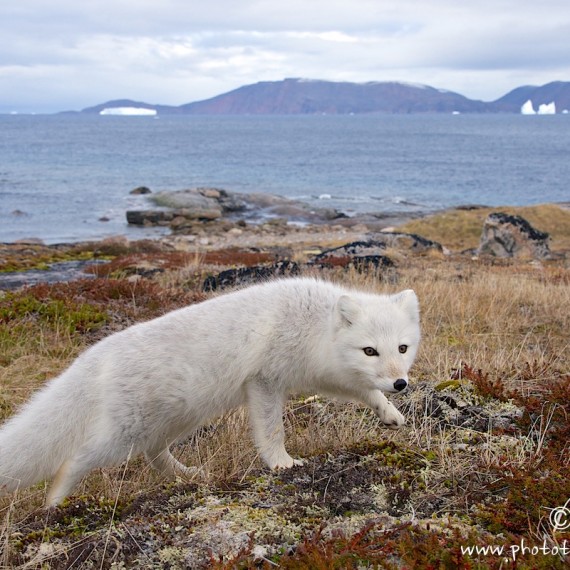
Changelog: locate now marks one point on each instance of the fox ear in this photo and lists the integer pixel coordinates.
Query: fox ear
(408, 302)
(348, 310)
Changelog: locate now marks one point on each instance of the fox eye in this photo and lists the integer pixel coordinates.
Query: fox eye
(403, 348)
(369, 351)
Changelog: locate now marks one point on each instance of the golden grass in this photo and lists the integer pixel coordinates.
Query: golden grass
(509, 319)
(497, 318)
(459, 230)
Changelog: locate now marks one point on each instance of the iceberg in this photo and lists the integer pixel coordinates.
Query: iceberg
(547, 108)
(543, 109)
(129, 111)
(527, 108)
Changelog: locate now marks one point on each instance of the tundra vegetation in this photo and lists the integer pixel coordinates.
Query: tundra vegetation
(480, 465)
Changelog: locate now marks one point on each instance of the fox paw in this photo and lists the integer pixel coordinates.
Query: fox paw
(284, 462)
(390, 416)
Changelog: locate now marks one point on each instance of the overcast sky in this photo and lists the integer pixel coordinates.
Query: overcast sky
(69, 54)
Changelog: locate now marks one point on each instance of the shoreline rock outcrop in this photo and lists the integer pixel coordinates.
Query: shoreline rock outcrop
(174, 208)
(505, 235)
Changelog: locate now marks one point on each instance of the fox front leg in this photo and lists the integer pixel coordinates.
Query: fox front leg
(385, 410)
(265, 405)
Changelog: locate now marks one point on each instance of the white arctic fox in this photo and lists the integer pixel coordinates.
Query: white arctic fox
(143, 388)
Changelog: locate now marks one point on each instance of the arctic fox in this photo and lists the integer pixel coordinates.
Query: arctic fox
(141, 389)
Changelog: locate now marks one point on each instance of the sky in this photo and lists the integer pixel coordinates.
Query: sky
(68, 54)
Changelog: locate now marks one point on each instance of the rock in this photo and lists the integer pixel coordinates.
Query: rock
(231, 203)
(215, 203)
(178, 223)
(359, 254)
(178, 217)
(210, 193)
(149, 217)
(457, 404)
(371, 253)
(259, 200)
(411, 242)
(205, 213)
(365, 263)
(288, 211)
(505, 235)
(329, 214)
(140, 190)
(260, 205)
(248, 275)
(191, 203)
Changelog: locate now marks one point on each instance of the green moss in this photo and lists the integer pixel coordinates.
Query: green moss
(448, 385)
(43, 259)
(392, 454)
(430, 455)
(73, 519)
(67, 315)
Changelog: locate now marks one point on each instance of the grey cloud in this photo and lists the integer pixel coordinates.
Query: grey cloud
(176, 51)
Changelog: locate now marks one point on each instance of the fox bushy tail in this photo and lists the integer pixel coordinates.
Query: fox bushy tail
(45, 432)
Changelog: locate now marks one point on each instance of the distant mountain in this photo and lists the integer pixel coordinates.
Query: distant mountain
(557, 92)
(311, 97)
(302, 97)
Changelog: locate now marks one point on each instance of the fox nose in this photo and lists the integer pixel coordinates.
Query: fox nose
(400, 384)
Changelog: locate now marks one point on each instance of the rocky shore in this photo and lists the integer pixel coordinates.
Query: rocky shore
(210, 220)
(181, 210)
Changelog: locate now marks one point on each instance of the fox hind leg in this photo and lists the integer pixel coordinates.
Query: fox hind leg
(61, 485)
(166, 463)
(90, 456)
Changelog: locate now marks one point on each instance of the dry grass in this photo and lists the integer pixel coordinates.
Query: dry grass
(510, 320)
(460, 230)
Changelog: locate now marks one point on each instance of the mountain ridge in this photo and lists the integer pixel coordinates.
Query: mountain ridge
(298, 96)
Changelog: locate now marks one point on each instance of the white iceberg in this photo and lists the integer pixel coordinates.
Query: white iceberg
(129, 111)
(547, 108)
(527, 108)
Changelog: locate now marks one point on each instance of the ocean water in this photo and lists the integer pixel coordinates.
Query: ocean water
(60, 174)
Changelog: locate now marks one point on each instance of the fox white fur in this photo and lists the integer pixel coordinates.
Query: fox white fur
(141, 389)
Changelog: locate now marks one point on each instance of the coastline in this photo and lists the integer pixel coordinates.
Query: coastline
(457, 231)
(212, 213)
(375, 164)
(214, 210)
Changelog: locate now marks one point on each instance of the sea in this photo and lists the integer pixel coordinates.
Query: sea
(68, 177)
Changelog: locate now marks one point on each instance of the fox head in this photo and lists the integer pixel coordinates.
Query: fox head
(376, 339)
